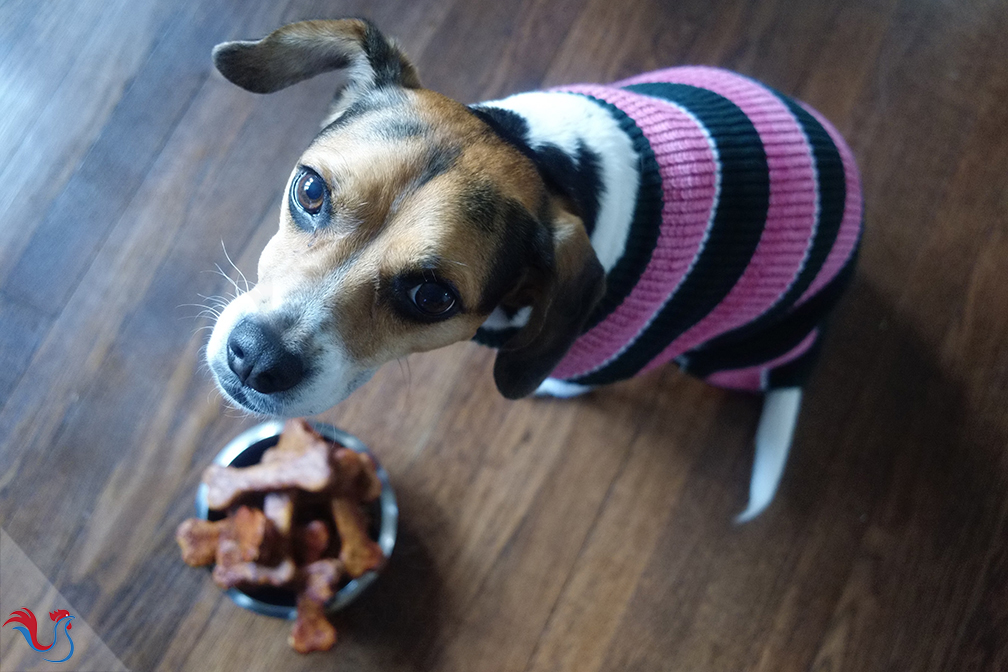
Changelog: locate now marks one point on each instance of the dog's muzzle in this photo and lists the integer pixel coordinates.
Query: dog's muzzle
(257, 356)
(280, 361)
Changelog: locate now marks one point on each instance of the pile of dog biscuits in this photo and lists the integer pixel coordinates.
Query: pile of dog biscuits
(295, 521)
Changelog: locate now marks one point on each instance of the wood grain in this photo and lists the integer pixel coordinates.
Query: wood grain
(539, 535)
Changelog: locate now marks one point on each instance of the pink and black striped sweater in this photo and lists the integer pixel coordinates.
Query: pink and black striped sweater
(726, 215)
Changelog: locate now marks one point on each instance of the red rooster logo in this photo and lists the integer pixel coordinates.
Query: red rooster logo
(28, 627)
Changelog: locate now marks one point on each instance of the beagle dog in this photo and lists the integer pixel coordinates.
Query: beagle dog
(588, 232)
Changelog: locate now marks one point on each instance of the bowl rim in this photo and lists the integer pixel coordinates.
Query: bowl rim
(386, 501)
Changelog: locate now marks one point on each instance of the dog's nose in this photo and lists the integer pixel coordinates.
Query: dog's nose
(260, 360)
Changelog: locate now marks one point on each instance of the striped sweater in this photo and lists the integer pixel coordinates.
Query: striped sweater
(726, 215)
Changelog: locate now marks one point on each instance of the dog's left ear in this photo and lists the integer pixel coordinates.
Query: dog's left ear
(563, 297)
(302, 50)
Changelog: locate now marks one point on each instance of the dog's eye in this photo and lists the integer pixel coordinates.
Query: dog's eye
(310, 192)
(432, 298)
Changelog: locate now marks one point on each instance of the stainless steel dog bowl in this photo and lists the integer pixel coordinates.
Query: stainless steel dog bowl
(247, 449)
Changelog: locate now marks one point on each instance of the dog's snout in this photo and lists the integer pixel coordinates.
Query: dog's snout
(257, 356)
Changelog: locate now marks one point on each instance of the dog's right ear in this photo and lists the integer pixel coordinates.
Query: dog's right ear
(302, 50)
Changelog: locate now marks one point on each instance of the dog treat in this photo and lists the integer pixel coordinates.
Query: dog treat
(320, 579)
(279, 509)
(358, 551)
(309, 534)
(358, 478)
(253, 574)
(250, 537)
(198, 540)
(312, 631)
(298, 437)
(309, 471)
(311, 542)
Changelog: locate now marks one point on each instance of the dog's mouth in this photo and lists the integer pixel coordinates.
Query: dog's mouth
(244, 397)
(310, 398)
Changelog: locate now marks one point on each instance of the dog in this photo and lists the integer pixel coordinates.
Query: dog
(589, 233)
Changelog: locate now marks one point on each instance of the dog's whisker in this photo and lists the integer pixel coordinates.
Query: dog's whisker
(234, 265)
(200, 316)
(238, 290)
(214, 300)
(206, 310)
(197, 317)
(219, 271)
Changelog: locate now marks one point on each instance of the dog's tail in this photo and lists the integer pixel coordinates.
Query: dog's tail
(773, 440)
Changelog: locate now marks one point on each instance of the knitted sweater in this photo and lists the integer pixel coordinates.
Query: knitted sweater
(727, 217)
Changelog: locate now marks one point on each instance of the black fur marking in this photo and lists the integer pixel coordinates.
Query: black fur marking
(385, 59)
(509, 126)
(519, 370)
(401, 129)
(644, 227)
(480, 205)
(524, 243)
(576, 177)
(495, 339)
(439, 160)
(370, 101)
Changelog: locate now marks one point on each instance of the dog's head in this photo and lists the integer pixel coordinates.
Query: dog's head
(404, 225)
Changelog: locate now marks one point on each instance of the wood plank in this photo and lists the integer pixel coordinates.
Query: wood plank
(585, 535)
(645, 491)
(56, 101)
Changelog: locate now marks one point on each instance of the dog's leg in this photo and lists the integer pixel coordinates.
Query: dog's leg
(561, 389)
(773, 440)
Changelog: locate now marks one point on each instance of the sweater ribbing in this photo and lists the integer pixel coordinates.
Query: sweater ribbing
(760, 214)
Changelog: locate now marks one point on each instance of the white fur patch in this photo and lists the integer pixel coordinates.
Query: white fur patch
(567, 119)
(498, 319)
(561, 389)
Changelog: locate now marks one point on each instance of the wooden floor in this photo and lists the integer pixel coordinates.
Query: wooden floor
(536, 535)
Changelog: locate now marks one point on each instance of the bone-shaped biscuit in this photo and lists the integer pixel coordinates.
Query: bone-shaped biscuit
(279, 509)
(356, 475)
(297, 438)
(254, 574)
(311, 542)
(198, 540)
(358, 552)
(309, 471)
(312, 631)
(249, 537)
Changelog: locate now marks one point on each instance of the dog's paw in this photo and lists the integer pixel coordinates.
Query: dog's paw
(561, 389)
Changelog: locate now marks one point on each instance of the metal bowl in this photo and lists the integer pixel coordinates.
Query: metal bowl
(247, 449)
